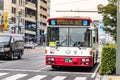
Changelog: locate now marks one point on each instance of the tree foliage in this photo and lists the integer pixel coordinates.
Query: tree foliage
(110, 17)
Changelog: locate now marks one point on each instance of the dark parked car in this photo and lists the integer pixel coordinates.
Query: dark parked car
(11, 45)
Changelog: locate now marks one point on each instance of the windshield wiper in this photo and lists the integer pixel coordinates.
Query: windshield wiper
(59, 44)
(77, 44)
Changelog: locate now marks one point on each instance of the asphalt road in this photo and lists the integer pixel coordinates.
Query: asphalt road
(32, 67)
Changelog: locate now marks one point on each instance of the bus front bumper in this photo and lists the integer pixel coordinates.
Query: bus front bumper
(83, 61)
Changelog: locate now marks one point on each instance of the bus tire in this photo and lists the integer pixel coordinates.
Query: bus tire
(54, 67)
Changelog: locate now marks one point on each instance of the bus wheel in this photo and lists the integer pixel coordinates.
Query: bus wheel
(54, 67)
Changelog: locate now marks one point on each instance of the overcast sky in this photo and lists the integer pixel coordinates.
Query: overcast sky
(76, 5)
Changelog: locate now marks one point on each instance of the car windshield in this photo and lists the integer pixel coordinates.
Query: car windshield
(69, 37)
(4, 38)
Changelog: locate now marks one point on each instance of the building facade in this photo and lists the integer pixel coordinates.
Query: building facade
(23, 15)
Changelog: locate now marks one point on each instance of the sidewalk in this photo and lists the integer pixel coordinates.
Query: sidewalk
(39, 49)
(107, 77)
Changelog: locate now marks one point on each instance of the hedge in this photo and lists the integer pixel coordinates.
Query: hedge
(108, 59)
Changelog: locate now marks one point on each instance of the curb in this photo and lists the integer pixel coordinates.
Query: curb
(107, 77)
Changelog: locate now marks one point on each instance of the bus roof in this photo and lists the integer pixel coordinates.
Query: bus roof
(71, 17)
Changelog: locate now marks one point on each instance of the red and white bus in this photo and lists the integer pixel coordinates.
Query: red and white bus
(71, 41)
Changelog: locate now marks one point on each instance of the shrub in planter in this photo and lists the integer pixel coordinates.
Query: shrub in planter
(108, 59)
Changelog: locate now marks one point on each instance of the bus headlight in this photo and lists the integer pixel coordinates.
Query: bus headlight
(51, 59)
(85, 60)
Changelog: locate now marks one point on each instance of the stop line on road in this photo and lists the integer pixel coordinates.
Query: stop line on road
(35, 77)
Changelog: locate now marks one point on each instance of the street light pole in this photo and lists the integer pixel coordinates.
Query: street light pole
(18, 24)
(1, 21)
(118, 39)
(37, 22)
(19, 28)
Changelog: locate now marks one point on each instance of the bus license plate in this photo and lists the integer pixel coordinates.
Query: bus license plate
(67, 59)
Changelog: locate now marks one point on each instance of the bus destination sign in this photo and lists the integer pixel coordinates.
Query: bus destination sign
(69, 22)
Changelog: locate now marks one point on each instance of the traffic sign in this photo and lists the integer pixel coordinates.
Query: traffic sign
(5, 21)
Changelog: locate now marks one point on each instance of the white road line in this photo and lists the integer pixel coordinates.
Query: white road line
(20, 70)
(43, 68)
(59, 78)
(39, 70)
(35, 58)
(15, 77)
(2, 74)
(80, 78)
(38, 77)
(94, 74)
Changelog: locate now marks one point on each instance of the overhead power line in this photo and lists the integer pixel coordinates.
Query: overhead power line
(64, 3)
(75, 11)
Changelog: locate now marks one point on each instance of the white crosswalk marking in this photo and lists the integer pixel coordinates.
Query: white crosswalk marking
(14, 77)
(59, 78)
(2, 74)
(38, 77)
(80, 78)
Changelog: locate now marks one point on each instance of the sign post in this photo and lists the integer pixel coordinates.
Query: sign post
(118, 40)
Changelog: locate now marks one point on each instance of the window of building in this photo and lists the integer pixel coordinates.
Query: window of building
(13, 10)
(44, 1)
(14, 1)
(43, 8)
(43, 16)
(23, 3)
(13, 19)
(20, 3)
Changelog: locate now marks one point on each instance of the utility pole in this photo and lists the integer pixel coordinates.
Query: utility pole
(37, 21)
(118, 39)
(1, 21)
(18, 22)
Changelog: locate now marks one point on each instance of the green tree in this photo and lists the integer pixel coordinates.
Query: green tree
(110, 17)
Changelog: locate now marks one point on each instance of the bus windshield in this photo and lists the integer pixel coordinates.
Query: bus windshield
(69, 37)
(4, 38)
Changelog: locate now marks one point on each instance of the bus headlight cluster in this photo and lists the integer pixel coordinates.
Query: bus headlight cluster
(51, 59)
(85, 60)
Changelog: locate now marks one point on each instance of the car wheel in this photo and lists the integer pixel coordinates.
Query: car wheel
(20, 55)
(11, 57)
